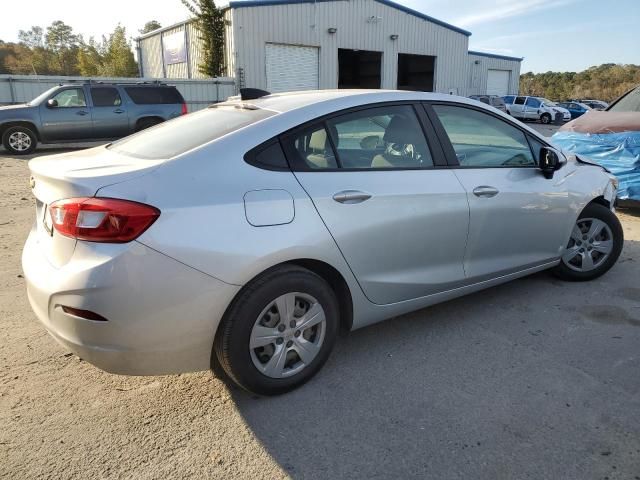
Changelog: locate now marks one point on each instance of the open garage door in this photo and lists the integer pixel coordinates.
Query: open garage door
(498, 82)
(415, 72)
(291, 67)
(359, 69)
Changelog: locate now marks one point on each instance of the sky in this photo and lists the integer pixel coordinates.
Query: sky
(556, 35)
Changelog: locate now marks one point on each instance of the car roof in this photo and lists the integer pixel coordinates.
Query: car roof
(288, 101)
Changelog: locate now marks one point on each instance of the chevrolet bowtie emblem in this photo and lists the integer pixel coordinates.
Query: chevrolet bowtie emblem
(32, 182)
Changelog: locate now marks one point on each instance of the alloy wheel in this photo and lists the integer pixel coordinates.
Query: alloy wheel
(590, 245)
(19, 141)
(287, 335)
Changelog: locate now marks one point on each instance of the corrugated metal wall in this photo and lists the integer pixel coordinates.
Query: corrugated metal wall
(307, 24)
(197, 93)
(478, 73)
(150, 48)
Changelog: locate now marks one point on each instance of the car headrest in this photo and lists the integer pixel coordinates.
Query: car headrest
(401, 130)
(318, 140)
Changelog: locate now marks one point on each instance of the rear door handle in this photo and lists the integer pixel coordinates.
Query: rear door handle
(82, 112)
(485, 191)
(119, 110)
(351, 196)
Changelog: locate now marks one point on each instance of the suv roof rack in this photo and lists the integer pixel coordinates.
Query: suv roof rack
(91, 81)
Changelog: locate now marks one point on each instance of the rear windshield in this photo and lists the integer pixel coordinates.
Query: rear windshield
(153, 95)
(629, 103)
(185, 133)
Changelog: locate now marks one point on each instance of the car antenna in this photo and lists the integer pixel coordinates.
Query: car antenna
(252, 93)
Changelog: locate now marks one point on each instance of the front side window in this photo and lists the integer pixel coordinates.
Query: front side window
(105, 97)
(71, 97)
(533, 102)
(482, 140)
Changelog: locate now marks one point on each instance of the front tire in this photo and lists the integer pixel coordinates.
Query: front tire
(19, 140)
(545, 118)
(594, 246)
(279, 331)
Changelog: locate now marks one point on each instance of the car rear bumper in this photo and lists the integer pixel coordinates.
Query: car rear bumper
(161, 316)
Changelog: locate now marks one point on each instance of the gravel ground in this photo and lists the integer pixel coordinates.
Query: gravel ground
(533, 379)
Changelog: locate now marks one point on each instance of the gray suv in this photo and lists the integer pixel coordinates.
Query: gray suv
(89, 111)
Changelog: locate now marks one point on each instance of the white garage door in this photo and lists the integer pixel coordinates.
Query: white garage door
(498, 82)
(291, 67)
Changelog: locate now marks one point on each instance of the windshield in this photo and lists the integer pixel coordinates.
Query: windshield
(548, 103)
(42, 97)
(178, 136)
(629, 103)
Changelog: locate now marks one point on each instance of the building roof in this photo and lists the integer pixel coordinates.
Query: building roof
(493, 55)
(388, 3)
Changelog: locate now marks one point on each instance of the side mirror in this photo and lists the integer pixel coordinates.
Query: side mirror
(550, 162)
(52, 103)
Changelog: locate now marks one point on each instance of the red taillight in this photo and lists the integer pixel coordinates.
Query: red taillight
(102, 219)
(184, 109)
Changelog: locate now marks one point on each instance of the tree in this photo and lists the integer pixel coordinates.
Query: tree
(63, 44)
(150, 26)
(210, 23)
(33, 38)
(117, 56)
(90, 58)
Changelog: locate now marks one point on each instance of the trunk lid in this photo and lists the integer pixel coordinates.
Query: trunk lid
(75, 174)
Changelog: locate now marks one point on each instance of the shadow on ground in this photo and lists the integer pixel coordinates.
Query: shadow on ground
(537, 378)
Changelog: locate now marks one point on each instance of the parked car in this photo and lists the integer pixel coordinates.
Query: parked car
(493, 100)
(84, 112)
(535, 108)
(252, 231)
(575, 109)
(611, 139)
(594, 104)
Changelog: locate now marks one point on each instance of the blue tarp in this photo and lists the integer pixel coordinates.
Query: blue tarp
(617, 152)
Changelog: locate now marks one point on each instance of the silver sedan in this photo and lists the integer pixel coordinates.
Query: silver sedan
(249, 233)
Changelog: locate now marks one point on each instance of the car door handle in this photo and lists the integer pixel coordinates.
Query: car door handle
(119, 110)
(82, 112)
(485, 191)
(351, 196)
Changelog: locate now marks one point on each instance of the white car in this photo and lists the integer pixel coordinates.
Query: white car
(251, 232)
(535, 108)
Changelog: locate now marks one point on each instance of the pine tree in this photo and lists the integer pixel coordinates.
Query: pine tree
(210, 23)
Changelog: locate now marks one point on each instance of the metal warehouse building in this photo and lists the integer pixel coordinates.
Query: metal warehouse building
(284, 45)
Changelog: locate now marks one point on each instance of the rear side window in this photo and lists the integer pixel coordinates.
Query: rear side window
(509, 99)
(482, 140)
(373, 138)
(519, 101)
(105, 97)
(154, 95)
(185, 133)
(497, 102)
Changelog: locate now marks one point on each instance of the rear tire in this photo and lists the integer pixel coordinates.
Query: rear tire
(594, 247)
(266, 342)
(545, 118)
(19, 140)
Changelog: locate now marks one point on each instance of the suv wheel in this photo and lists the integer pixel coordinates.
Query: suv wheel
(545, 118)
(279, 331)
(19, 140)
(594, 246)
